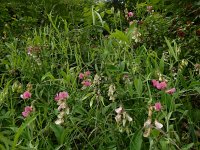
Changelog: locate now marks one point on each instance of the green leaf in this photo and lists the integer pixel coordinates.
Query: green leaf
(88, 95)
(136, 141)
(120, 36)
(47, 75)
(188, 146)
(162, 65)
(92, 100)
(171, 49)
(6, 142)
(58, 130)
(138, 86)
(20, 130)
(155, 1)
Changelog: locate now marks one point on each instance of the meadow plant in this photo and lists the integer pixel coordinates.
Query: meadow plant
(140, 89)
(63, 108)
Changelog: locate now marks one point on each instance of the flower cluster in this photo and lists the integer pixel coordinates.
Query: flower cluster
(150, 9)
(162, 86)
(148, 124)
(27, 111)
(159, 85)
(122, 116)
(85, 77)
(33, 52)
(63, 109)
(111, 91)
(25, 96)
(96, 83)
(136, 35)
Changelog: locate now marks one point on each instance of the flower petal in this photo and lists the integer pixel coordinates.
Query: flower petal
(158, 125)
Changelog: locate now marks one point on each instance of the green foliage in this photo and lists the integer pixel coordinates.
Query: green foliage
(45, 54)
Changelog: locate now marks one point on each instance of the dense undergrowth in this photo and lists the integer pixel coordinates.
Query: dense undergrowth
(101, 76)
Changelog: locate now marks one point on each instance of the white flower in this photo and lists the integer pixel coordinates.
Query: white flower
(124, 122)
(118, 118)
(96, 79)
(61, 115)
(22, 96)
(111, 90)
(147, 132)
(67, 110)
(129, 118)
(59, 121)
(62, 106)
(119, 110)
(158, 124)
(112, 98)
(147, 123)
(60, 102)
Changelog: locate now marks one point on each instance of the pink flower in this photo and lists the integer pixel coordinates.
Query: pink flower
(155, 83)
(171, 91)
(61, 96)
(157, 106)
(162, 85)
(87, 73)
(27, 111)
(26, 95)
(86, 83)
(130, 14)
(159, 86)
(25, 114)
(81, 76)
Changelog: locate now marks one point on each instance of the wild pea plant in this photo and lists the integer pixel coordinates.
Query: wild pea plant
(67, 89)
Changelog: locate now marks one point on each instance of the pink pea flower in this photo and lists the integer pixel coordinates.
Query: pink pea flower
(157, 106)
(155, 83)
(162, 85)
(130, 14)
(159, 86)
(25, 114)
(81, 76)
(26, 95)
(61, 96)
(27, 111)
(86, 83)
(87, 73)
(171, 91)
